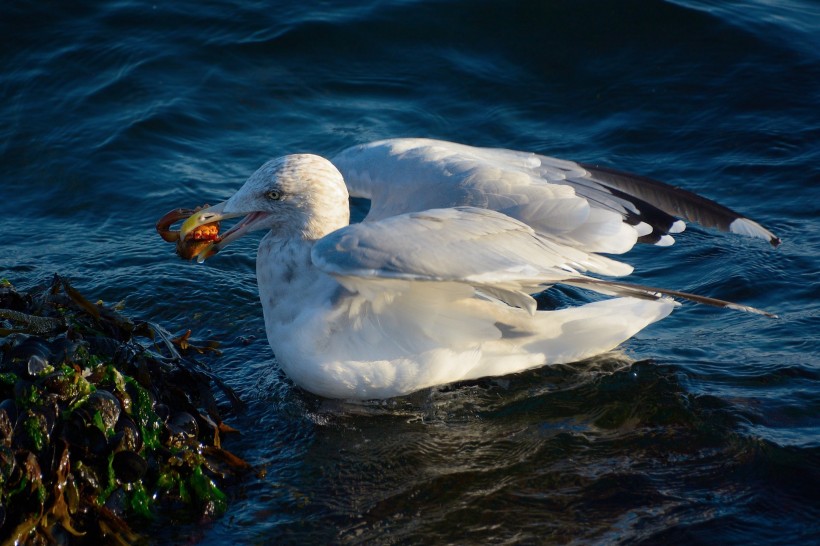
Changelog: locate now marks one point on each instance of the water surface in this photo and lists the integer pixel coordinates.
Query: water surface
(705, 432)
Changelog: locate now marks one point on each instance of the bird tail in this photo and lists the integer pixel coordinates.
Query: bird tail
(614, 288)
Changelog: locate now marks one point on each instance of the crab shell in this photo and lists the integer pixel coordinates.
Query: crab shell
(194, 242)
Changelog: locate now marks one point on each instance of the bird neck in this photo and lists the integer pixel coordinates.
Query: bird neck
(288, 281)
(327, 221)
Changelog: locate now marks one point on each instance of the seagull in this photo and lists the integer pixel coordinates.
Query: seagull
(435, 285)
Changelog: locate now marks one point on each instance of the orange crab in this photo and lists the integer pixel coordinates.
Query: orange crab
(194, 243)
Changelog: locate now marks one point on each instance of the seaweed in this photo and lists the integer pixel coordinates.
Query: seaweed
(106, 423)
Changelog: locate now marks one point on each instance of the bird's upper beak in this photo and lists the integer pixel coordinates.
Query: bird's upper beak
(217, 213)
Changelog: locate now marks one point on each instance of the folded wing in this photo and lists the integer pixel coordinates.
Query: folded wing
(500, 257)
(468, 245)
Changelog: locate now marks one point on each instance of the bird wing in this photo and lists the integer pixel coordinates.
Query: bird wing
(500, 257)
(468, 245)
(592, 208)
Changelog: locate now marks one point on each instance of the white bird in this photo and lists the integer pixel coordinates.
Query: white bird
(434, 286)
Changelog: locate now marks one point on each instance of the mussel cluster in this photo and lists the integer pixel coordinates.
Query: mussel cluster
(105, 423)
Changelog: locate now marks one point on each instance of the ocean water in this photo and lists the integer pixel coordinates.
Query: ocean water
(705, 430)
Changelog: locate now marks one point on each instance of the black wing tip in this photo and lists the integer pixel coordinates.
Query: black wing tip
(661, 203)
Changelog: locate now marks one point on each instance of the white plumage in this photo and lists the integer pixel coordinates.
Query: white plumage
(434, 286)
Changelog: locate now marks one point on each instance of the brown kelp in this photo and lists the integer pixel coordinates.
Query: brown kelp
(104, 422)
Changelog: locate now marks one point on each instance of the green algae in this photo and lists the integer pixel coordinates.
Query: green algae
(75, 402)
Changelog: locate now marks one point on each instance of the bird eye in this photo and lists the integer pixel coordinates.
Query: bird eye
(274, 195)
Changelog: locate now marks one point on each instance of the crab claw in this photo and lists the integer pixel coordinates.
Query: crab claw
(190, 242)
(164, 224)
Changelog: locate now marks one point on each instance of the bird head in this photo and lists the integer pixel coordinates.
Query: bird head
(299, 195)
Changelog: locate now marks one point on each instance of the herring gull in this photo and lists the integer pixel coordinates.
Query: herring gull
(434, 286)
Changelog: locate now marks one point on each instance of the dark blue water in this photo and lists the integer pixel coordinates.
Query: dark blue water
(113, 113)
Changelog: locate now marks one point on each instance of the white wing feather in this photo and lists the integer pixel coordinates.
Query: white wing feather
(500, 257)
(479, 247)
(591, 208)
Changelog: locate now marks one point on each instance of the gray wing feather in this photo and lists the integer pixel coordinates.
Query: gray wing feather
(498, 255)
(404, 175)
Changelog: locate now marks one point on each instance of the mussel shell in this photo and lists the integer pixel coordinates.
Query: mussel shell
(8, 420)
(36, 365)
(50, 409)
(181, 428)
(107, 404)
(128, 466)
(96, 442)
(117, 502)
(31, 469)
(64, 387)
(183, 422)
(25, 390)
(63, 349)
(37, 353)
(127, 437)
(30, 349)
(162, 411)
(10, 407)
(126, 403)
(86, 441)
(85, 474)
(7, 464)
(15, 474)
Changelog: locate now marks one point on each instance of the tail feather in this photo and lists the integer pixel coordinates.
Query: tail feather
(567, 335)
(649, 292)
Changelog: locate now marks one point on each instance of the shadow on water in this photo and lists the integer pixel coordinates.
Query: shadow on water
(604, 451)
